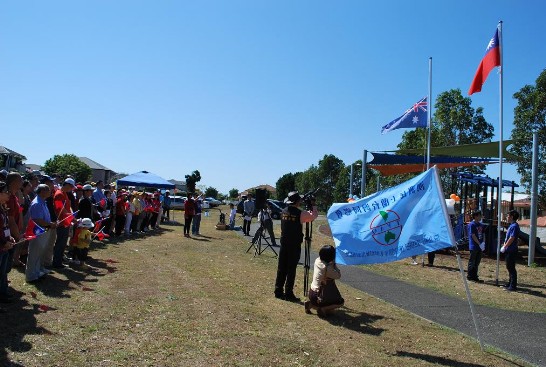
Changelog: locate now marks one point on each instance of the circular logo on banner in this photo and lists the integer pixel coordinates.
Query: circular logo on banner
(386, 227)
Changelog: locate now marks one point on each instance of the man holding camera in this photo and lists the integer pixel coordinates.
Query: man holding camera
(292, 219)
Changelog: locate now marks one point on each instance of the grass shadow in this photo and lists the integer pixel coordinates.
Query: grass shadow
(18, 320)
(436, 360)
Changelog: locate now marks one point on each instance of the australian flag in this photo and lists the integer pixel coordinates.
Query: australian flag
(416, 116)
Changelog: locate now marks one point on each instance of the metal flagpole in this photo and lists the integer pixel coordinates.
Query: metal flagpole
(459, 261)
(363, 181)
(534, 196)
(499, 194)
(429, 125)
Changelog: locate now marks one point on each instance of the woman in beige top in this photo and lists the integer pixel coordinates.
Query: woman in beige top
(324, 295)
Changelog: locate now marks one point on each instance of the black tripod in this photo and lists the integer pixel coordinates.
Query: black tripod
(259, 237)
(307, 261)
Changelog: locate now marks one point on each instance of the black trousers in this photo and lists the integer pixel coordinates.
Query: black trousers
(120, 224)
(474, 263)
(510, 259)
(246, 226)
(289, 256)
(187, 224)
(81, 253)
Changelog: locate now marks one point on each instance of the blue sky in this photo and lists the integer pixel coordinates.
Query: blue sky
(244, 91)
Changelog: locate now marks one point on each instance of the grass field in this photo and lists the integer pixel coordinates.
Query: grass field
(166, 300)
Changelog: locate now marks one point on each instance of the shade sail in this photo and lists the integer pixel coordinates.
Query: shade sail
(382, 158)
(145, 179)
(482, 150)
(397, 169)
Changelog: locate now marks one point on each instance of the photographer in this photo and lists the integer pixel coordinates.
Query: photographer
(292, 219)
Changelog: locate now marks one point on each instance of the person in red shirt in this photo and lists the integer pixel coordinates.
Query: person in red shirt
(189, 212)
(63, 209)
(120, 213)
(14, 182)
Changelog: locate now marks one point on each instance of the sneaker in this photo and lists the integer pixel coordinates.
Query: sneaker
(510, 289)
(413, 262)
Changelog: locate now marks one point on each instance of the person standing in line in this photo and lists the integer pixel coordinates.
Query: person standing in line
(64, 210)
(189, 212)
(6, 244)
(292, 219)
(48, 251)
(510, 249)
(130, 211)
(476, 245)
(39, 214)
(248, 208)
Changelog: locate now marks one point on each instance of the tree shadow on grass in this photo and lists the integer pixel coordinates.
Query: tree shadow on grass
(356, 321)
(17, 321)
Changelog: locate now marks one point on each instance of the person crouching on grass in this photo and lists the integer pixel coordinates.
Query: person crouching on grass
(81, 247)
(324, 295)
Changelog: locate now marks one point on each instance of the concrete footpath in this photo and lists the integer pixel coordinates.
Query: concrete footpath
(519, 333)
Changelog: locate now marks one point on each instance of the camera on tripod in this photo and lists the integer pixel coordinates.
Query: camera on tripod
(309, 198)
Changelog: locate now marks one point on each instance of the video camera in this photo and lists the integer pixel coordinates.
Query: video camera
(309, 198)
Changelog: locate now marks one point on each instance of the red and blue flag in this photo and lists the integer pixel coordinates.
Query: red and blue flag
(33, 230)
(490, 60)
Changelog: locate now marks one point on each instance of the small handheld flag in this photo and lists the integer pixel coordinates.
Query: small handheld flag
(414, 117)
(33, 230)
(490, 60)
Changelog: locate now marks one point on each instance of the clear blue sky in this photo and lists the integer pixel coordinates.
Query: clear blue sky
(244, 91)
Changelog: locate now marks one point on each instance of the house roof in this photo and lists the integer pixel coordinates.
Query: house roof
(4, 150)
(267, 187)
(92, 164)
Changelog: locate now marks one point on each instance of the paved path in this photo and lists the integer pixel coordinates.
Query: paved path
(519, 333)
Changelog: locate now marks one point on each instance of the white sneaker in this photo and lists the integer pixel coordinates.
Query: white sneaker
(413, 262)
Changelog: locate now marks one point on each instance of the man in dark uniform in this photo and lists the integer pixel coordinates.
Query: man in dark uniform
(292, 219)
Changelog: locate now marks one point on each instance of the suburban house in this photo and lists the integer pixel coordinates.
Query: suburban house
(10, 160)
(99, 172)
(180, 186)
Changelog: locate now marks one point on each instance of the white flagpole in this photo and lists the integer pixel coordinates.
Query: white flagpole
(429, 110)
(429, 125)
(459, 261)
(499, 201)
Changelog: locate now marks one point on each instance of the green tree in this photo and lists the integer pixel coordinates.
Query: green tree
(285, 184)
(191, 181)
(233, 193)
(211, 192)
(530, 116)
(328, 173)
(68, 164)
(455, 122)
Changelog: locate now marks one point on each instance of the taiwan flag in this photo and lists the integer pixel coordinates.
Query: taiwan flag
(33, 230)
(490, 60)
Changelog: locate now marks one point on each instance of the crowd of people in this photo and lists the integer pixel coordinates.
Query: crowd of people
(50, 221)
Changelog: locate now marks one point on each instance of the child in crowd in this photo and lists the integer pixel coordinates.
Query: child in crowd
(81, 247)
(232, 214)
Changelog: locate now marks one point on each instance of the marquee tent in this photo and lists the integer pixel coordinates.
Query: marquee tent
(145, 179)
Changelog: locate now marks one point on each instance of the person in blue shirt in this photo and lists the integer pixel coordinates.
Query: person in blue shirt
(476, 245)
(510, 249)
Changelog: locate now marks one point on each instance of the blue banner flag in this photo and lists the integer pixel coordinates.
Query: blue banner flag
(405, 220)
(416, 116)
